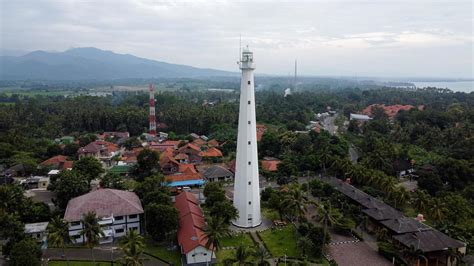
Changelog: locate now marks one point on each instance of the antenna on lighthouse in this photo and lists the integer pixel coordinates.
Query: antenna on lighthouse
(296, 73)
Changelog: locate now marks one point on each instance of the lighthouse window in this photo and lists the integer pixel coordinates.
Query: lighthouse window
(250, 162)
(250, 203)
(249, 142)
(248, 82)
(250, 183)
(249, 102)
(249, 122)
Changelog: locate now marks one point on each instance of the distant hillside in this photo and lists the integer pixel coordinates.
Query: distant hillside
(93, 64)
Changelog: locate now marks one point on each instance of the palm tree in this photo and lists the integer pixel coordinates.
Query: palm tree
(132, 246)
(295, 202)
(58, 234)
(401, 196)
(437, 209)
(215, 230)
(421, 200)
(261, 254)
(387, 185)
(242, 254)
(414, 255)
(328, 217)
(91, 231)
(382, 234)
(305, 245)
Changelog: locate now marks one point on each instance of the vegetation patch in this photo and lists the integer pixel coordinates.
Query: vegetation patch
(236, 240)
(162, 252)
(281, 242)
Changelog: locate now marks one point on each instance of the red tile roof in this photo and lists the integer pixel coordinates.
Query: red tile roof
(213, 143)
(190, 146)
(191, 223)
(98, 146)
(270, 165)
(199, 142)
(260, 131)
(211, 152)
(104, 202)
(391, 110)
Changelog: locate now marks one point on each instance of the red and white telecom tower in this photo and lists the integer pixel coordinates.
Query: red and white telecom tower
(152, 110)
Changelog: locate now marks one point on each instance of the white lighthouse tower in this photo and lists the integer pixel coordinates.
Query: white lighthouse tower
(246, 185)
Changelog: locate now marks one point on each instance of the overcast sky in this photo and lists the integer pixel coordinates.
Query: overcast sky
(412, 38)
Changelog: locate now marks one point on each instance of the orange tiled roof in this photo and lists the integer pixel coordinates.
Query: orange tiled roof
(260, 131)
(199, 142)
(213, 143)
(270, 165)
(211, 152)
(390, 110)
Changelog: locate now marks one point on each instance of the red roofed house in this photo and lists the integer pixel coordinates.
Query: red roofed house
(58, 162)
(270, 164)
(118, 212)
(101, 150)
(187, 176)
(192, 151)
(169, 165)
(211, 153)
(260, 131)
(191, 237)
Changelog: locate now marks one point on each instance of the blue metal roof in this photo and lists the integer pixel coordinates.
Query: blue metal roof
(199, 182)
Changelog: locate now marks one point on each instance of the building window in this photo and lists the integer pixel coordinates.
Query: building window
(75, 223)
(118, 218)
(119, 231)
(133, 228)
(205, 254)
(250, 182)
(250, 163)
(76, 236)
(250, 203)
(194, 255)
(248, 82)
(249, 122)
(133, 216)
(249, 102)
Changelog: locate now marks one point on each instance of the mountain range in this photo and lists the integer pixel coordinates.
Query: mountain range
(94, 64)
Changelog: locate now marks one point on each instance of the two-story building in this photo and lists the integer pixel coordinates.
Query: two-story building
(118, 212)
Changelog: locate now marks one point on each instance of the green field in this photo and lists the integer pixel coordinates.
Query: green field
(281, 241)
(236, 240)
(171, 256)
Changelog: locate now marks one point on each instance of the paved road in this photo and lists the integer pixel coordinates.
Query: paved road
(328, 124)
(353, 153)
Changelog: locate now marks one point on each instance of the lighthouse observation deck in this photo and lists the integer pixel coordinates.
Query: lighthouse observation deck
(246, 62)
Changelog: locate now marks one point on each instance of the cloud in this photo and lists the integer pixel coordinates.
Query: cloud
(326, 36)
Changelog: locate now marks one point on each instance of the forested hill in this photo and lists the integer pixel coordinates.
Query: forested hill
(94, 64)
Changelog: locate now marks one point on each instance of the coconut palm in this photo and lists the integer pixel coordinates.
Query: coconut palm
(328, 217)
(132, 247)
(58, 234)
(305, 245)
(215, 230)
(91, 231)
(401, 196)
(421, 200)
(261, 254)
(295, 202)
(387, 185)
(242, 253)
(413, 256)
(437, 209)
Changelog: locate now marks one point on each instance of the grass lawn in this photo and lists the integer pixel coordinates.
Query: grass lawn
(237, 239)
(78, 263)
(270, 214)
(224, 254)
(171, 256)
(281, 241)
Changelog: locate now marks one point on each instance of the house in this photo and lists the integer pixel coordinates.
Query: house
(113, 135)
(37, 231)
(58, 162)
(192, 151)
(101, 150)
(191, 238)
(187, 176)
(213, 143)
(270, 164)
(260, 131)
(391, 110)
(118, 212)
(199, 142)
(218, 173)
(168, 163)
(211, 154)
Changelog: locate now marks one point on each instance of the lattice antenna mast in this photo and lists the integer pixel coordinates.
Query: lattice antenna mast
(152, 116)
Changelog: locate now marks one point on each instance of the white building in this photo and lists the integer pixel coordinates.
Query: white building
(246, 185)
(118, 212)
(359, 117)
(37, 231)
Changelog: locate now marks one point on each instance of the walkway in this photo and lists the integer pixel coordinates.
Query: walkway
(259, 242)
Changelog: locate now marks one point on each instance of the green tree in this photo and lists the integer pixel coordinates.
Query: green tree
(91, 231)
(305, 245)
(161, 221)
(26, 252)
(112, 180)
(261, 254)
(148, 163)
(58, 234)
(296, 202)
(88, 167)
(437, 209)
(69, 185)
(132, 246)
(215, 230)
(214, 192)
(225, 210)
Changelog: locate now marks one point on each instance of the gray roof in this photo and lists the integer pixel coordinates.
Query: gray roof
(383, 213)
(405, 225)
(217, 171)
(429, 240)
(36, 227)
